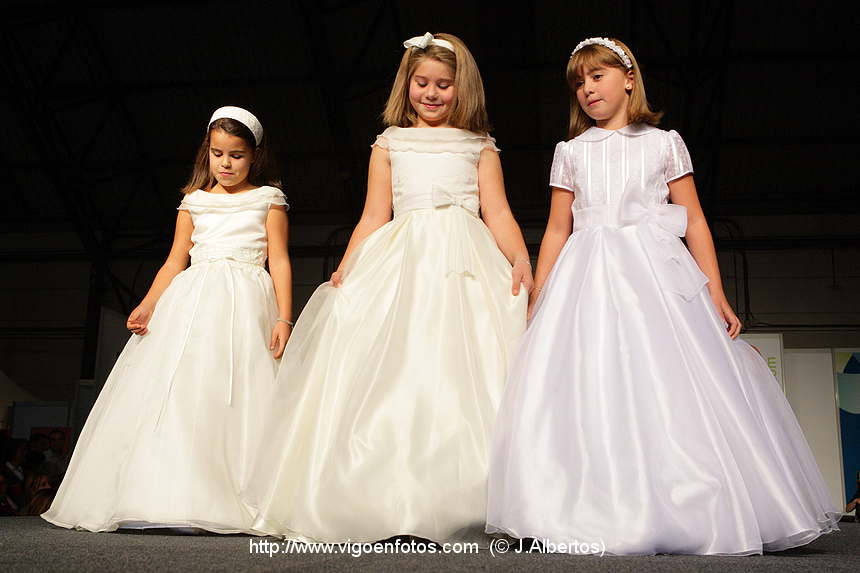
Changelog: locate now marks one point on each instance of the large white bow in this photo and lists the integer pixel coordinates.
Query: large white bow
(669, 217)
(425, 40)
(661, 225)
(442, 197)
(458, 250)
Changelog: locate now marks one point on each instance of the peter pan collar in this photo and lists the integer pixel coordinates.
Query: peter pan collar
(630, 130)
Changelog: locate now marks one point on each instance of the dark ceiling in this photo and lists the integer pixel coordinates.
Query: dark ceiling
(107, 102)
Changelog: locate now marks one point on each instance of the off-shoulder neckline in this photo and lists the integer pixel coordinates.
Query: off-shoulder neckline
(434, 129)
(210, 194)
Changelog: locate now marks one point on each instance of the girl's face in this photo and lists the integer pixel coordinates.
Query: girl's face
(432, 92)
(603, 93)
(230, 158)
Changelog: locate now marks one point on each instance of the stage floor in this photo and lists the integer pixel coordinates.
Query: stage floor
(32, 544)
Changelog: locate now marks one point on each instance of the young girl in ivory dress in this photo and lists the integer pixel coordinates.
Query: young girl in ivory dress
(389, 387)
(169, 441)
(633, 422)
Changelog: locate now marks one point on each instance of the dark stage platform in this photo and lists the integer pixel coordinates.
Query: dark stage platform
(31, 544)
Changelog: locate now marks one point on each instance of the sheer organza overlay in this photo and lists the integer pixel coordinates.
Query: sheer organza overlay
(631, 421)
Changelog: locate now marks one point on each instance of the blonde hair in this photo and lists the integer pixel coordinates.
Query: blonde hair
(469, 108)
(597, 56)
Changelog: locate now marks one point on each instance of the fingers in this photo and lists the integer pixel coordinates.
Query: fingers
(282, 344)
(336, 279)
(736, 327)
(530, 284)
(516, 279)
(734, 323)
(137, 328)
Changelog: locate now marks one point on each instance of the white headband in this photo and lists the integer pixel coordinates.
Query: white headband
(425, 40)
(607, 43)
(243, 116)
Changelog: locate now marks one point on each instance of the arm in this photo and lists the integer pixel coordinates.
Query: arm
(282, 275)
(558, 229)
(377, 206)
(682, 191)
(176, 262)
(498, 217)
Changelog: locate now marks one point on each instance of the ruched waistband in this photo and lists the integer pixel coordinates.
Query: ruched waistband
(210, 253)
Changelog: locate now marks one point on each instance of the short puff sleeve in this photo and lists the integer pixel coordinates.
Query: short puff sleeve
(561, 173)
(677, 162)
(185, 205)
(278, 198)
(490, 143)
(381, 141)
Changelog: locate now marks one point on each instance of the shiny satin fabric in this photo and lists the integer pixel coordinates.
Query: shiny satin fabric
(170, 439)
(631, 420)
(389, 386)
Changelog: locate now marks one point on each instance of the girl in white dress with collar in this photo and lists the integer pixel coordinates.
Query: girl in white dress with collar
(391, 381)
(634, 421)
(170, 440)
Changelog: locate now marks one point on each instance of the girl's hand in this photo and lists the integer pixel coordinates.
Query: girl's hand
(336, 279)
(138, 319)
(533, 296)
(725, 310)
(280, 334)
(521, 274)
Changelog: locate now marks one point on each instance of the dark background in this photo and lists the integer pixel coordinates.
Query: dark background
(106, 103)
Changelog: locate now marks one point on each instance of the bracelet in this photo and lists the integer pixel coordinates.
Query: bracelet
(290, 322)
(523, 260)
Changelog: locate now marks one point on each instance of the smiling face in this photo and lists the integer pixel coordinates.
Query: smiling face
(432, 93)
(230, 159)
(603, 94)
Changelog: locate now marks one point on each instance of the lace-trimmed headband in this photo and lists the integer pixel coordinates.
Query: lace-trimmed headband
(606, 43)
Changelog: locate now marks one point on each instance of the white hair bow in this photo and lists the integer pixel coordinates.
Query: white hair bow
(425, 40)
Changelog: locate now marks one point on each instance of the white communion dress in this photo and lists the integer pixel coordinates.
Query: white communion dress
(390, 383)
(170, 438)
(632, 423)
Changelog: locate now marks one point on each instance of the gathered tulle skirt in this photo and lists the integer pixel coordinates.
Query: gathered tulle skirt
(389, 387)
(170, 439)
(633, 423)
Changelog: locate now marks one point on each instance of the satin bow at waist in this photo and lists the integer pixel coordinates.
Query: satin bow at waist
(633, 211)
(218, 258)
(437, 198)
(659, 226)
(209, 253)
(458, 252)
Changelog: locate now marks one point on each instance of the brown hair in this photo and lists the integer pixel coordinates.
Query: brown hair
(597, 56)
(263, 170)
(469, 109)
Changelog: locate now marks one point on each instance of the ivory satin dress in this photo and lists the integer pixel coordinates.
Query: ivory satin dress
(389, 386)
(170, 439)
